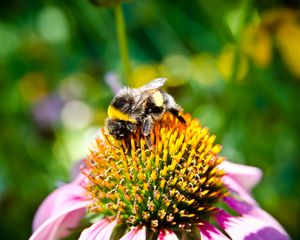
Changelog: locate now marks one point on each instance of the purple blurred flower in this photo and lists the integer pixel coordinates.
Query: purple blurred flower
(47, 111)
(113, 81)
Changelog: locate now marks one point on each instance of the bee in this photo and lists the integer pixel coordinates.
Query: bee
(134, 108)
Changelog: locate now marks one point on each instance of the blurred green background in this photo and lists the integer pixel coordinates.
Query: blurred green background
(235, 65)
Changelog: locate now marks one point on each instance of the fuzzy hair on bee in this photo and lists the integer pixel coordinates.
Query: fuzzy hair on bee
(134, 108)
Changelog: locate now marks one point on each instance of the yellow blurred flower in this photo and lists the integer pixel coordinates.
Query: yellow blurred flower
(280, 28)
(177, 68)
(204, 69)
(33, 86)
(228, 60)
(288, 41)
(143, 74)
(257, 44)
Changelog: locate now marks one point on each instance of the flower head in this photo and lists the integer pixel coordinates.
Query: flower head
(175, 184)
(175, 189)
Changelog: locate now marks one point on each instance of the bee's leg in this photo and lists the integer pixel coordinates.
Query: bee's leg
(175, 112)
(147, 127)
(148, 141)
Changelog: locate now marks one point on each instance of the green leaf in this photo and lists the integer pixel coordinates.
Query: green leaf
(118, 231)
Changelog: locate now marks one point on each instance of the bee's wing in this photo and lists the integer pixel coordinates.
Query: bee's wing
(144, 92)
(153, 85)
(141, 98)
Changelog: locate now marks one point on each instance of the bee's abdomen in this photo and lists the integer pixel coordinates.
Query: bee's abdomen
(151, 108)
(158, 98)
(155, 104)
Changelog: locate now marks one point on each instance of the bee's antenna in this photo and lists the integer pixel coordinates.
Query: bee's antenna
(107, 139)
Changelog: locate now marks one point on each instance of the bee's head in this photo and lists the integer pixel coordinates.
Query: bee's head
(119, 128)
(123, 101)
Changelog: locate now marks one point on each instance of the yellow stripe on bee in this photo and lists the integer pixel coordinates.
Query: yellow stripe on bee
(158, 99)
(117, 114)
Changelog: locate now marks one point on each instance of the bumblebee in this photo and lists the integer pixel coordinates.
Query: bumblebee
(134, 108)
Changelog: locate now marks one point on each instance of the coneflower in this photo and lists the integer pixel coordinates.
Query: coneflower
(179, 188)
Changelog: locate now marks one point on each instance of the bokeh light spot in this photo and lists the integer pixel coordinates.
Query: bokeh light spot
(33, 86)
(74, 86)
(53, 25)
(177, 68)
(76, 115)
(143, 74)
(204, 70)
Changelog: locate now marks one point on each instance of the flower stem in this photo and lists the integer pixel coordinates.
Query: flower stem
(247, 11)
(123, 46)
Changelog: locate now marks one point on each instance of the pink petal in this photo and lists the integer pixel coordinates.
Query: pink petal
(209, 232)
(57, 226)
(247, 227)
(100, 230)
(81, 179)
(58, 201)
(93, 230)
(255, 211)
(246, 176)
(244, 204)
(238, 190)
(167, 235)
(135, 234)
(77, 167)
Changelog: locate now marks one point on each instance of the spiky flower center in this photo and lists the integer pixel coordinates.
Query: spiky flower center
(174, 184)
